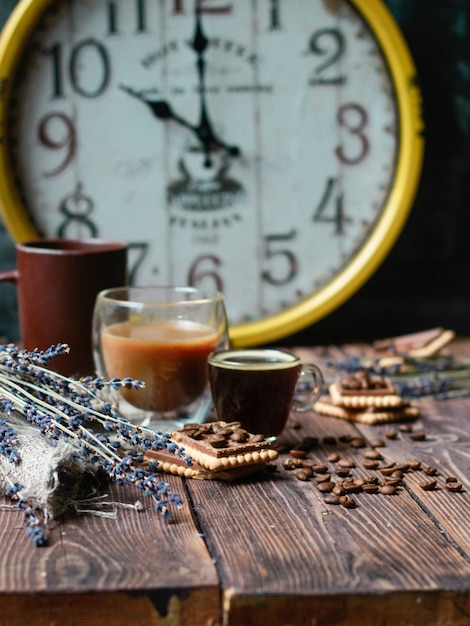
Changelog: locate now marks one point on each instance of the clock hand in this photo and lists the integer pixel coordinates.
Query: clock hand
(162, 110)
(204, 130)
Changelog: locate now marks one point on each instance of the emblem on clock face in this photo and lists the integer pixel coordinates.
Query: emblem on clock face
(269, 149)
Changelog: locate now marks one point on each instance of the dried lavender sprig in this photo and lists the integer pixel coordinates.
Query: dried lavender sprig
(60, 406)
(32, 522)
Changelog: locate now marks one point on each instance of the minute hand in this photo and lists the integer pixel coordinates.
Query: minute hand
(204, 131)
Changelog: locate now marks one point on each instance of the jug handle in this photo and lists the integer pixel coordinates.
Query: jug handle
(10, 276)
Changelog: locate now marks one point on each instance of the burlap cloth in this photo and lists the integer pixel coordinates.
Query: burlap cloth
(54, 478)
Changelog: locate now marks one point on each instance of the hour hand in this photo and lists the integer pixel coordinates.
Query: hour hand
(160, 108)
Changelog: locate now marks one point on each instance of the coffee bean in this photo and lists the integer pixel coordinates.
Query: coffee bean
(303, 474)
(351, 488)
(405, 428)
(372, 454)
(357, 442)
(217, 441)
(339, 490)
(414, 465)
(288, 464)
(333, 457)
(370, 488)
(451, 479)
(331, 499)
(308, 464)
(370, 464)
(430, 471)
(329, 440)
(239, 435)
(322, 478)
(391, 434)
(224, 432)
(428, 485)
(347, 502)
(397, 474)
(257, 438)
(454, 486)
(388, 490)
(298, 454)
(403, 467)
(320, 469)
(393, 481)
(346, 463)
(342, 471)
(309, 442)
(377, 443)
(298, 462)
(326, 487)
(345, 438)
(417, 436)
(387, 471)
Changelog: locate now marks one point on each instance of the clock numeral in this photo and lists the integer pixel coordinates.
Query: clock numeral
(77, 208)
(141, 249)
(75, 66)
(113, 17)
(330, 44)
(56, 131)
(336, 215)
(271, 252)
(354, 119)
(207, 262)
(204, 6)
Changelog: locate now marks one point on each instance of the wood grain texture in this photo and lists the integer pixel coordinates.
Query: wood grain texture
(142, 566)
(285, 557)
(266, 551)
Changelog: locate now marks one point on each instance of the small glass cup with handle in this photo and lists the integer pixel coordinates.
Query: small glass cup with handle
(259, 387)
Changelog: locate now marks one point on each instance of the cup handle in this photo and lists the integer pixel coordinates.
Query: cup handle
(9, 277)
(301, 406)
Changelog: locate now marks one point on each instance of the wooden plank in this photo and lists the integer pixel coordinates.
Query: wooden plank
(277, 538)
(446, 447)
(161, 573)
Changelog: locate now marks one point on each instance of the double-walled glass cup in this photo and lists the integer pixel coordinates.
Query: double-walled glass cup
(162, 336)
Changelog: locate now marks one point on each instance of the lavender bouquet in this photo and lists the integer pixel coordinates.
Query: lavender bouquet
(57, 434)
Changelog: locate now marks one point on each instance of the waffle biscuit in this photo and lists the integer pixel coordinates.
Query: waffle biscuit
(370, 415)
(422, 344)
(363, 399)
(170, 464)
(217, 447)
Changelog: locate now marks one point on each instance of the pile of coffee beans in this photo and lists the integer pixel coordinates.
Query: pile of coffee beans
(337, 479)
(221, 434)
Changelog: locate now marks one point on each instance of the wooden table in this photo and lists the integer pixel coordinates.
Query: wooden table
(268, 551)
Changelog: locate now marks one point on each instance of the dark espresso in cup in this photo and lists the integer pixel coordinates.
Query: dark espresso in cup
(256, 387)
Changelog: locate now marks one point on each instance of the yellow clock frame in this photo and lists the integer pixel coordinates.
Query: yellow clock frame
(21, 25)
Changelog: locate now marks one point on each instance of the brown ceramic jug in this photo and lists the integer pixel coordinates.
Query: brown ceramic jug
(57, 281)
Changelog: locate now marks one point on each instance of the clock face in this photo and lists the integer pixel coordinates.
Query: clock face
(251, 146)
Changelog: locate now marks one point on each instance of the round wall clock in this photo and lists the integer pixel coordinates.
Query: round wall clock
(269, 148)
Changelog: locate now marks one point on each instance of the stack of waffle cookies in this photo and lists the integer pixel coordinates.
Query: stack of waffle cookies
(365, 398)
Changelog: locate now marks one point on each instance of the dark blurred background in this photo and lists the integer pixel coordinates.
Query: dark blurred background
(423, 282)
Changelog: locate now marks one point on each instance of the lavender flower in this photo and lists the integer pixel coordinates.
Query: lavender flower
(63, 409)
